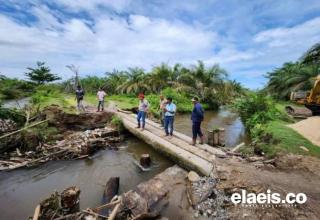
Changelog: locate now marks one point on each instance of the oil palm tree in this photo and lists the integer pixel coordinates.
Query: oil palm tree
(114, 79)
(135, 82)
(159, 78)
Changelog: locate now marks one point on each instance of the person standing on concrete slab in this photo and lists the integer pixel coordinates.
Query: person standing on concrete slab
(100, 96)
(197, 116)
(142, 111)
(79, 98)
(170, 111)
(162, 105)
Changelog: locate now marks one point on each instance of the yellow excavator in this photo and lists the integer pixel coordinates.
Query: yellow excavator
(311, 100)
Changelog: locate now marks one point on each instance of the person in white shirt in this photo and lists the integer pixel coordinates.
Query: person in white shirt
(170, 111)
(100, 95)
(143, 109)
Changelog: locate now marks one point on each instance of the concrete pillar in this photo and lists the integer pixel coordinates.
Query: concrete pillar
(221, 137)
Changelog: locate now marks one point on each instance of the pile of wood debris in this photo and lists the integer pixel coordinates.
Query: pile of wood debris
(7, 125)
(76, 146)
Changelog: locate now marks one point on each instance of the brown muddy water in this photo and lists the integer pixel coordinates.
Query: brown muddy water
(21, 190)
(234, 129)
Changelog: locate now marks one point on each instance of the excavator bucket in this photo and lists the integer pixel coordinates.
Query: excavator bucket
(298, 112)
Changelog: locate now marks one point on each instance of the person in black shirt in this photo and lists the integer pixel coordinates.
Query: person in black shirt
(79, 98)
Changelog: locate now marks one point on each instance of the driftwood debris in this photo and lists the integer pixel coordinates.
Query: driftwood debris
(7, 125)
(70, 201)
(76, 146)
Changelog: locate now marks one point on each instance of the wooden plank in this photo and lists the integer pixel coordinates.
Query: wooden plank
(188, 139)
(181, 156)
(184, 142)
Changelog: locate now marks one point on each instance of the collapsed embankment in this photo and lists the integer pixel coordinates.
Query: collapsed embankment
(76, 136)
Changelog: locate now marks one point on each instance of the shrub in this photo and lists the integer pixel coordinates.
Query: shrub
(116, 122)
(180, 99)
(255, 109)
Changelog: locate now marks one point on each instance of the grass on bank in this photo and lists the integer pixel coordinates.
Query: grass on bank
(283, 140)
(46, 96)
(288, 141)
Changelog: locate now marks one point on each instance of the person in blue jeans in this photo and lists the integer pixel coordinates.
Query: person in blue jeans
(197, 116)
(170, 110)
(142, 111)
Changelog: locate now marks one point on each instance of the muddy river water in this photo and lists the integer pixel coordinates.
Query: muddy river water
(21, 190)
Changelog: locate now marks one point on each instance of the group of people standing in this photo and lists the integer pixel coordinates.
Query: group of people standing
(167, 110)
(80, 95)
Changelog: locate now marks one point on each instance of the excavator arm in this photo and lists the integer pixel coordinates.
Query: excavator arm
(314, 97)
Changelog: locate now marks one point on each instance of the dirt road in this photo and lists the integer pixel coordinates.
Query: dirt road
(289, 174)
(309, 128)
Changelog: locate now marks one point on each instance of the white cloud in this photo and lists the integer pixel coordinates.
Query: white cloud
(125, 33)
(93, 5)
(305, 33)
(109, 43)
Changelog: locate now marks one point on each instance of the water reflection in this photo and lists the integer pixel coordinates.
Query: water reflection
(19, 103)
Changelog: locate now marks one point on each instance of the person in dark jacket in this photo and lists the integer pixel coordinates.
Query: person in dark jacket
(197, 116)
(79, 98)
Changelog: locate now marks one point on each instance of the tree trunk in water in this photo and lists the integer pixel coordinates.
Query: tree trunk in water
(145, 160)
(112, 189)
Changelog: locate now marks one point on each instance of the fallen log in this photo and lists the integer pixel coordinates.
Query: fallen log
(150, 197)
(28, 163)
(111, 190)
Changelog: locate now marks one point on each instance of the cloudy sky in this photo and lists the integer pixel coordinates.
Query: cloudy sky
(247, 38)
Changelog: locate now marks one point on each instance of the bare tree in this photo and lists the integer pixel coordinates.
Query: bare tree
(75, 71)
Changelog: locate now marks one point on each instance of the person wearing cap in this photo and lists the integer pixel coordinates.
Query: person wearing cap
(162, 105)
(142, 111)
(170, 110)
(197, 116)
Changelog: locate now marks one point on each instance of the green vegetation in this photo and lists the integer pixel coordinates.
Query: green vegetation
(13, 114)
(41, 74)
(116, 122)
(14, 88)
(294, 76)
(210, 84)
(286, 140)
(46, 95)
(264, 115)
